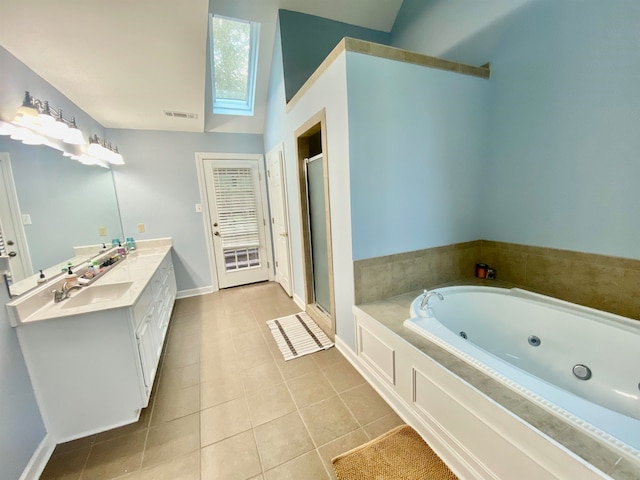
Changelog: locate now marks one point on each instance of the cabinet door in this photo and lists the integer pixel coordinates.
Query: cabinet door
(147, 350)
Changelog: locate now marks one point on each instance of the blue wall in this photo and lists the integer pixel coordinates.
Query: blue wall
(415, 157)
(159, 187)
(307, 40)
(561, 165)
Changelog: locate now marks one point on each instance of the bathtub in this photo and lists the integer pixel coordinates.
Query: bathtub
(533, 343)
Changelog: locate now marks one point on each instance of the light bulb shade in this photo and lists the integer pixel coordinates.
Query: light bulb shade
(117, 159)
(57, 130)
(6, 128)
(74, 137)
(95, 149)
(45, 120)
(27, 111)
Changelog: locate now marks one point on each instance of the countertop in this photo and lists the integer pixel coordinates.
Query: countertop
(137, 268)
(392, 312)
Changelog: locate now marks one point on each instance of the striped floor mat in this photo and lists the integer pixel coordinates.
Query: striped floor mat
(298, 335)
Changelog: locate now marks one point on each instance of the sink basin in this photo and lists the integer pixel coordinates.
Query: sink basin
(97, 293)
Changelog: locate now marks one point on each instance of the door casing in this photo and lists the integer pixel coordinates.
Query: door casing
(316, 124)
(200, 166)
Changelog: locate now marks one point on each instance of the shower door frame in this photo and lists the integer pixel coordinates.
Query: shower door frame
(315, 124)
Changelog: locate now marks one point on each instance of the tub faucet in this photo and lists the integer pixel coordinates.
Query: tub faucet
(426, 297)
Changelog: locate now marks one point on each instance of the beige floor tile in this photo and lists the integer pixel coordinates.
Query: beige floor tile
(308, 467)
(282, 440)
(269, 404)
(141, 424)
(259, 477)
(365, 404)
(67, 465)
(254, 357)
(328, 357)
(250, 340)
(295, 368)
(221, 358)
(172, 439)
(234, 458)
(186, 467)
(175, 404)
(342, 375)
(265, 310)
(181, 377)
(382, 425)
(115, 457)
(181, 358)
(217, 392)
(262, 376)
(67, 447)
(341, 445)
(310, 388)
(328, 420)
(223, 421)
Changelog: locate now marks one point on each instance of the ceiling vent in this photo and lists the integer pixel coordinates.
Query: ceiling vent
(192, 116)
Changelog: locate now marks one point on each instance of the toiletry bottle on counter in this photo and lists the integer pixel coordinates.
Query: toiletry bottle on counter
(41, 277)
(121, 250)
(71, 279)
(131, 244)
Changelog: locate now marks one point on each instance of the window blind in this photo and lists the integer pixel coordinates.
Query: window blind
(236, 205)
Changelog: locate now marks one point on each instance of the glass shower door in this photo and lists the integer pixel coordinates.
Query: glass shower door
(318, 233)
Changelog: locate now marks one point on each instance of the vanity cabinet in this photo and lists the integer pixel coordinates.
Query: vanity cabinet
(94, 371)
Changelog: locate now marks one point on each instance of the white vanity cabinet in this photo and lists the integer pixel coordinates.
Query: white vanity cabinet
(94, 371)
(151, 314)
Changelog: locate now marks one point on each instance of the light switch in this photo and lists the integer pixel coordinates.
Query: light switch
(102, 231)
(198, 208)
(141, 228)
(26, 219)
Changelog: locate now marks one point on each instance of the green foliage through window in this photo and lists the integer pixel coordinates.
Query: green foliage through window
(234, 51)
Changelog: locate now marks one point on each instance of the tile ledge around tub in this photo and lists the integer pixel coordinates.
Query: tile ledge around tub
(393, 311)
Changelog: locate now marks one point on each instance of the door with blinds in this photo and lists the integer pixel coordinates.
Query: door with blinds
(237, 221)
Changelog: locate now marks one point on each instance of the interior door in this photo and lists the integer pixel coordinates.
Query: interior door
(237, 221)
(12, 237)
(279, 218)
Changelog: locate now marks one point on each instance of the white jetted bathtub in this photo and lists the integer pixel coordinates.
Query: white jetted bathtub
(581, 363)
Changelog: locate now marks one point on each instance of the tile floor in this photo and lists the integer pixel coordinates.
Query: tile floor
(226, 405)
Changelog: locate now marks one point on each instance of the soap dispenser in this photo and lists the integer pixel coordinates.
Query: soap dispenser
(121, 250)
(41, 277)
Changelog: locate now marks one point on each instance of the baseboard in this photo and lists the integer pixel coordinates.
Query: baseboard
(194, 292)
(299, 302)
(39, 459)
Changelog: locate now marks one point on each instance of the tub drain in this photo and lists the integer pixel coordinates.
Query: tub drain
(582, 371)
(534, 341)
(463, 335)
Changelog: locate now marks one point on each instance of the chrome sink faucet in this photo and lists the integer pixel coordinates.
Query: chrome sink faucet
(426, 297)
(59, 295)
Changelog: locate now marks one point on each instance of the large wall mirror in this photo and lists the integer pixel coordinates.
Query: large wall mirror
(62, 204)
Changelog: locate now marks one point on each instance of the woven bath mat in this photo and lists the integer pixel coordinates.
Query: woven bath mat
(298, 335)
(400, 454)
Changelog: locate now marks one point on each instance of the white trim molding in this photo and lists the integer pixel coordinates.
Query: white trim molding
(39, 459)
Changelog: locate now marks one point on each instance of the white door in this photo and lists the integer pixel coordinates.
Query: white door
(12, 237)
(279, 217)
(237, 219)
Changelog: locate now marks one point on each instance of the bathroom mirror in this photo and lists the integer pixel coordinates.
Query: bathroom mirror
(62, 204)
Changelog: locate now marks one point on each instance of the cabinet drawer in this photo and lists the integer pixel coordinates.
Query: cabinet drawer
(142, 305)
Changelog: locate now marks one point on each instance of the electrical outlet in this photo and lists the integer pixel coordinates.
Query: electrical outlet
(102, 231)
(141, 228)
(198, 208)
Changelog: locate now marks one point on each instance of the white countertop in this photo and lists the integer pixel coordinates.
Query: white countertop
(137, 268)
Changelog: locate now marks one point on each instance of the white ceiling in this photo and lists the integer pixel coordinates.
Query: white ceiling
(125, 61)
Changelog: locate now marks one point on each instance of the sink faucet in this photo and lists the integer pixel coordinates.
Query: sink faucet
(426, 297)
(59, 295)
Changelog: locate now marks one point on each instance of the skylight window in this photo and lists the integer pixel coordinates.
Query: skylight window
(235, 57)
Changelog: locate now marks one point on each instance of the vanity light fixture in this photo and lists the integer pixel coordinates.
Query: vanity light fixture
(104, 151)
(42, 119)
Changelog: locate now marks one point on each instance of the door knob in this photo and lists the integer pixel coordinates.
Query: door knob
(12, 254)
